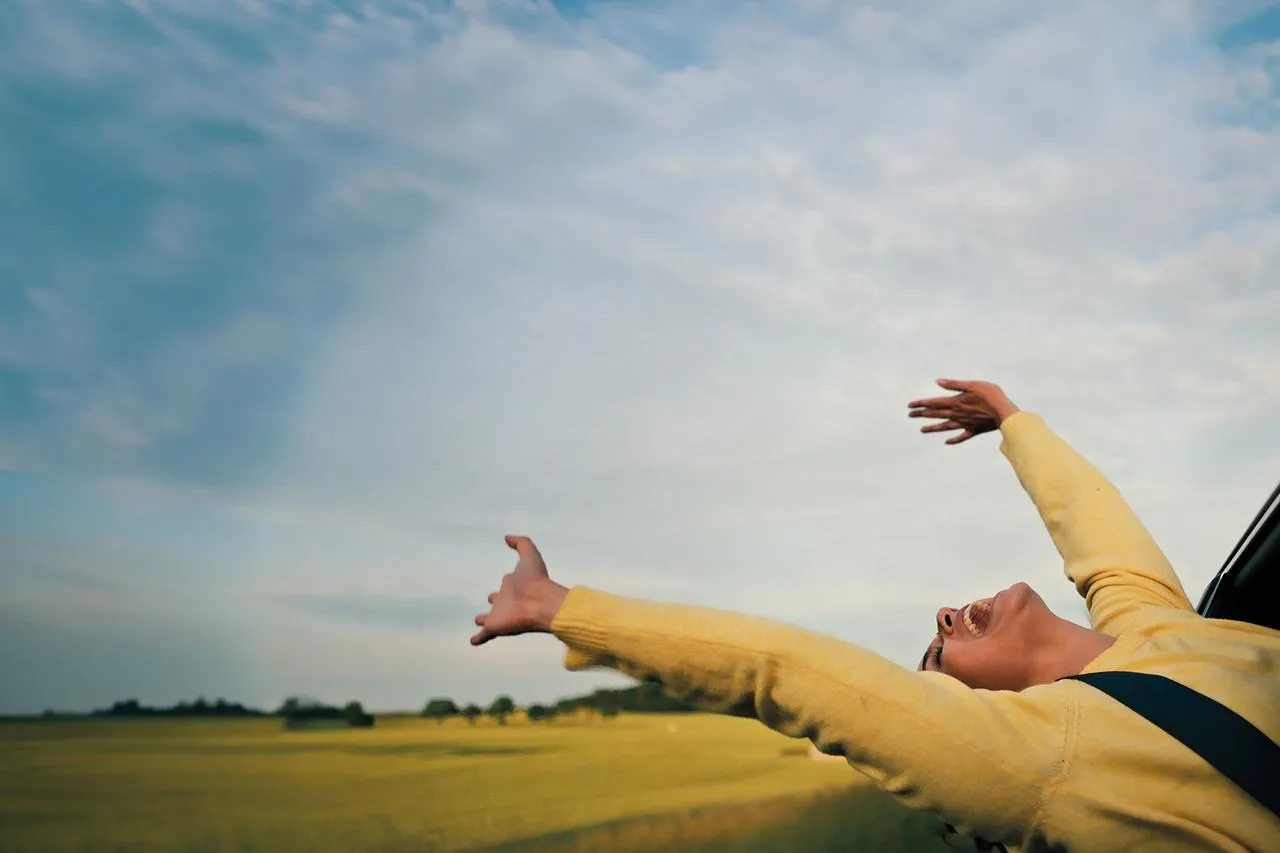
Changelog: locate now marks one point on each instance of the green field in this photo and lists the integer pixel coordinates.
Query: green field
(660, 782)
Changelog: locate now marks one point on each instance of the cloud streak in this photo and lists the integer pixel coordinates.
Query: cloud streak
(387, 610)
(355, 290)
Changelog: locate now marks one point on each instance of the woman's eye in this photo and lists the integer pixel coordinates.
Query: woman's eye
(937, 657)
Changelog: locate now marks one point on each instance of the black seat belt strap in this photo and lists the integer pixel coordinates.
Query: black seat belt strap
(1229, 742)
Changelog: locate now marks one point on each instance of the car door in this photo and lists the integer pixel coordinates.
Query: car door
(1247, 587)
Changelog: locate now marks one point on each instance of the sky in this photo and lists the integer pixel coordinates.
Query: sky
(303, 305)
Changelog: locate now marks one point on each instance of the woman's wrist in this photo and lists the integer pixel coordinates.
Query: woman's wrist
(545, 603)
(1003, 409)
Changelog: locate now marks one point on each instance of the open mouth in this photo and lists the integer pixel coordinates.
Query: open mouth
(976, 616)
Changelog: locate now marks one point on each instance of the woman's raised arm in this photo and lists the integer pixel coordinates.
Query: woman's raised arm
(1107, 552)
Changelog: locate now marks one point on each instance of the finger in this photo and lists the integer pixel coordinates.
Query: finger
(932, 403)
(522, 545)
(480, 619)
(480, 638)
(492, 596)
(956, 384)
(946, 427)
(963, 437)
(943, 413)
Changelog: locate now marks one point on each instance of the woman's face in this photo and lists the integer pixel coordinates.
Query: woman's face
(988, 643)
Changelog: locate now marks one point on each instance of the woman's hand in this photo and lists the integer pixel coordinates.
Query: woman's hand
(978, 407)
(526, 602)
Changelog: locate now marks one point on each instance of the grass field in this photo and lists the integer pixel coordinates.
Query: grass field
(679, 783)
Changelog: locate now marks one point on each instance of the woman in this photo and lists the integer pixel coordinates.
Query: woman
(984, 734)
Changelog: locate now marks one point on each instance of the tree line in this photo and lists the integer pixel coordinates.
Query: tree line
(199, 708)
(647, 697)
(296, 710)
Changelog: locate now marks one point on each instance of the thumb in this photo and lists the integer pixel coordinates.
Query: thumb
(955, 384)
(522, 545)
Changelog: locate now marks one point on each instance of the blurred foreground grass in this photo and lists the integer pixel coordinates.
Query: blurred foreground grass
(635, 783)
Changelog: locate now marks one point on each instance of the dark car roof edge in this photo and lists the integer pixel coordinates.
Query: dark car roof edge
(1267, 518)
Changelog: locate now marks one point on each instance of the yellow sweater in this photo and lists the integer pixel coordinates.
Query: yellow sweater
(1054, 767)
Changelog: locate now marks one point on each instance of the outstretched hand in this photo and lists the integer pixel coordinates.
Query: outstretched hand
(977, 407)
(526, 601)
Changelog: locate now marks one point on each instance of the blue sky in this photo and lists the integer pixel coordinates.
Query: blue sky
(303, 305)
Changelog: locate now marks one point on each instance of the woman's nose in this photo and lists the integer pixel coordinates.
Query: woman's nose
(946, 620)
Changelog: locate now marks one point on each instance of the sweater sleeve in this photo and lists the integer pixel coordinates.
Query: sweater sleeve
(978, 759)
(1107, 552)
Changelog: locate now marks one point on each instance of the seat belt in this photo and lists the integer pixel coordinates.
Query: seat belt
(1229, 742)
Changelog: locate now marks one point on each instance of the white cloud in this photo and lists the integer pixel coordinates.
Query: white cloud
(679, 306)
(664, 280)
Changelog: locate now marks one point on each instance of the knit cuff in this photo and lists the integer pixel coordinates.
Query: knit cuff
(579, 624)
(1016, 427)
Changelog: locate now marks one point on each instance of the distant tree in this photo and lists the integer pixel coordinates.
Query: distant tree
(440, 709)
(295, 704)
(501, 708)
(300, 712)
(647, 697)
(540, 712)
(609, 711)
(356, 716)
(472, 712)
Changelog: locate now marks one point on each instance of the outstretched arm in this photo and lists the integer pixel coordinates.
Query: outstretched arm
(978, 759)
(1107, 552)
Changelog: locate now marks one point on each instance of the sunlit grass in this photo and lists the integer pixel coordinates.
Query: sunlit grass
(160, 786)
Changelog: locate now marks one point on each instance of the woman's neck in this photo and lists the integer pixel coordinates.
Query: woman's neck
(1067, 648)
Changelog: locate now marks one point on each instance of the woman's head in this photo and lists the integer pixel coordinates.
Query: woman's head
(993, 643)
